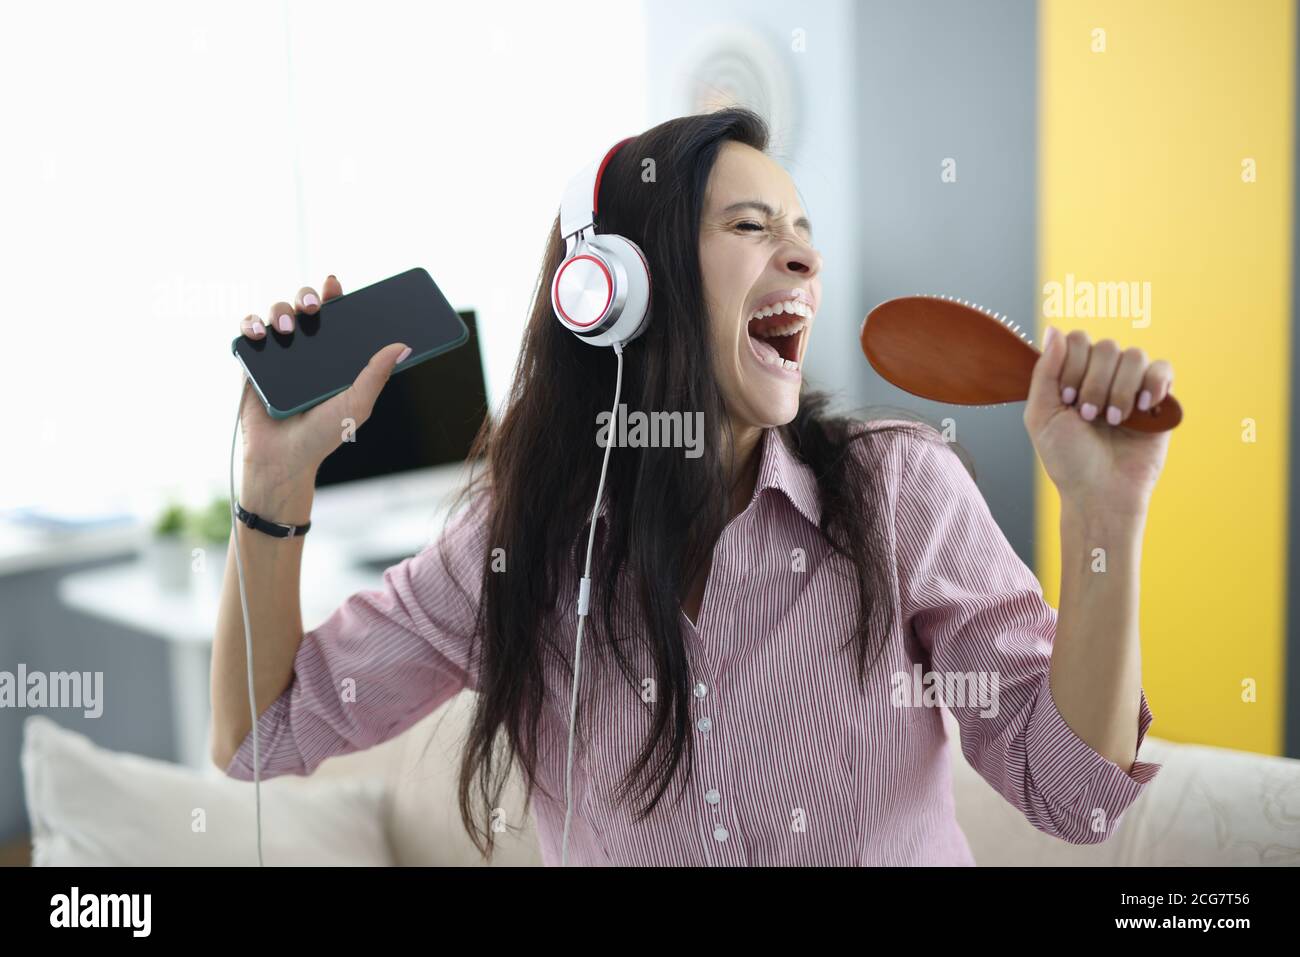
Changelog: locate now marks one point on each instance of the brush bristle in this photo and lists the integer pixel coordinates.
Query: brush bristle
(1004, 320)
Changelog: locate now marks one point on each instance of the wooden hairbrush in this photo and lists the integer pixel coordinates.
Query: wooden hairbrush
(954, 351)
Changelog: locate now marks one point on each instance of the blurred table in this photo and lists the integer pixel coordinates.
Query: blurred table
(338, 561)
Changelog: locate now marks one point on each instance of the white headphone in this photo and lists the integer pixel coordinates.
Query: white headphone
(601, 292)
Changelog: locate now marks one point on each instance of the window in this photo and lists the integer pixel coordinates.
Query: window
(171, 168)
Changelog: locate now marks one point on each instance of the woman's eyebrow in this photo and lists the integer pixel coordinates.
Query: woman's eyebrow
(764, 208)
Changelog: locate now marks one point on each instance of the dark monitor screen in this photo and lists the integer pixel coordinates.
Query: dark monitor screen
(424, 417)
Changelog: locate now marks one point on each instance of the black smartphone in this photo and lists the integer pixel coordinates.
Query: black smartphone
(294, 371)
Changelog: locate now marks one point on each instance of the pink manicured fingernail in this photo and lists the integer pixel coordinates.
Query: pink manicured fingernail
(1068, 394)
(1144, 400)
(1113, 415)
(257, 327)
(405, 352)
(284, 323)
(310, 300)
(1088, 411)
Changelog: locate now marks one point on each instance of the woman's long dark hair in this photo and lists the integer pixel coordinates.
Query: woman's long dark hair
(542, 463)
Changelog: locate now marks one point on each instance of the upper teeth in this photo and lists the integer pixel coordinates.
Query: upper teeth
(795, 307)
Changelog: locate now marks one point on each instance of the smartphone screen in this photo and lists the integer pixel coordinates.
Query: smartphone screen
(323, 355)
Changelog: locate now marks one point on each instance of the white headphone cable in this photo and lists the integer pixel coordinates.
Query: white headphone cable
(248, 630)
(584, 597)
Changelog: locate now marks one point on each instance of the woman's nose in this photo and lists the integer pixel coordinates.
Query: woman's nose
(801, 260)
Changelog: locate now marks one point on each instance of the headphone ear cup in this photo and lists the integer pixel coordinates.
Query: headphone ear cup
(582, 290)
(601, 293)
(635, 312)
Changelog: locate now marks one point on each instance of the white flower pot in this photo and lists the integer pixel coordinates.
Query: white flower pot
(214, 564)
(169, 555)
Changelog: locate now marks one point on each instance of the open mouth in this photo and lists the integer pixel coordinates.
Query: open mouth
(776, 333)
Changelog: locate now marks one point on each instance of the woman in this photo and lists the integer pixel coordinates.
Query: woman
(763, 613)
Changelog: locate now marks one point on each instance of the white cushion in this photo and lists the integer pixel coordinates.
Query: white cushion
(93, 807)
(1208, 807)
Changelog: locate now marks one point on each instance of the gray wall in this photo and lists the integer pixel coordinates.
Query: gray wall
(937, 79)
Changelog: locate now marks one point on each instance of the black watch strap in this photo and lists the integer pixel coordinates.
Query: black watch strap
(276, 529)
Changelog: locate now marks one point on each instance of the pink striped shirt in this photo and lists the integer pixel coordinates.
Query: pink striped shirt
(796, 763)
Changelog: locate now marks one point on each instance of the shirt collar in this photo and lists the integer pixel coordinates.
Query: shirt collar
(779, 469)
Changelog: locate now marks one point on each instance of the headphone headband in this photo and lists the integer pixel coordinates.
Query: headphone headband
(601, 291)
(580, 206)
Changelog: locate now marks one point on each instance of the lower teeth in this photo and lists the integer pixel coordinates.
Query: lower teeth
(782, 363)
(769, 355)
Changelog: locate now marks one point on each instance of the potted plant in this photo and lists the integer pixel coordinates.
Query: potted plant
(169, 548)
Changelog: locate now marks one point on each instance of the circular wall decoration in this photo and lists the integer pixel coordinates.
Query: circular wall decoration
(732, 65)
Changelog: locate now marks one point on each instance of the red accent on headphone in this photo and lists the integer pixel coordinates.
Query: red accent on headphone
(609, 290)
(595, 198)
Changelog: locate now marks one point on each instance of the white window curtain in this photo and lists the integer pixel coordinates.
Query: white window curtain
(170, 168)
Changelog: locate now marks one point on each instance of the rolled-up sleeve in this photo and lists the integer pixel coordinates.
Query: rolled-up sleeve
(979, 612)
(383, 660)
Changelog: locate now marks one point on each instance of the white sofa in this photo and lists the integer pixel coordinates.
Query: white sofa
(396, 804)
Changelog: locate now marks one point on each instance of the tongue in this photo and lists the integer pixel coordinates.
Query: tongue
(764, 349)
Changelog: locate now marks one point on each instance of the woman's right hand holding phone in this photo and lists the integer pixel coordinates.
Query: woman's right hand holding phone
(281, 456)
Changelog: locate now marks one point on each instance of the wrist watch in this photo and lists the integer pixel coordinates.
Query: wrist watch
(276, 529)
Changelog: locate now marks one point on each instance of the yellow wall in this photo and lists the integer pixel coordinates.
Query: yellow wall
(1141, 151)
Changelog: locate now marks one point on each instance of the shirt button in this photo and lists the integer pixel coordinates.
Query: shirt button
(701, 689)
(719, 833)
(705, 725)
(712, 796)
